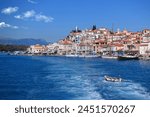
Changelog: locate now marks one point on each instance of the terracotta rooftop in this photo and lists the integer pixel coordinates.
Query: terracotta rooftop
(67, 42)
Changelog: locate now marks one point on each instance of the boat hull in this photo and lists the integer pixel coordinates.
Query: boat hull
(109, 57)
(83, 56)
(112, 79)
(128, 58)
(71, 55)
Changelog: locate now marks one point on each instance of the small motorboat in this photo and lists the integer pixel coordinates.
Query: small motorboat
(112, 79)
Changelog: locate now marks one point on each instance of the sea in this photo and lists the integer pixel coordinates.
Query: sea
(64, 78)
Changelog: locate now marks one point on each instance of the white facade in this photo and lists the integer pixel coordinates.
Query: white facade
(144, 48)
(146, 38)
(36, 49)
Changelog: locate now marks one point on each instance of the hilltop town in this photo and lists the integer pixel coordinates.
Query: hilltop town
(98, 41)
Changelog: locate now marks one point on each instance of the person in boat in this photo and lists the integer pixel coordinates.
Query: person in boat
(112, 79)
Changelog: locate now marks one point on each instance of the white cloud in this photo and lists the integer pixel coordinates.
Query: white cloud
(32, 15)
(44, 18)
(5, 25)
(18, 17)
(26, 15)
(9, 10)
(31, 1)
(29, 14)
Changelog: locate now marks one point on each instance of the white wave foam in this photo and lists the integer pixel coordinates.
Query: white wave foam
(81, 88)
(136, 90)
(129, 90)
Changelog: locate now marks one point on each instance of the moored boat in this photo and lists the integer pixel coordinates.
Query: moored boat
(71, 55)
(91, 56)
(128, 57)
(84, 56)
(109, 57)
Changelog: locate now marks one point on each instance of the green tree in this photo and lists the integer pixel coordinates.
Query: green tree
(94, 27)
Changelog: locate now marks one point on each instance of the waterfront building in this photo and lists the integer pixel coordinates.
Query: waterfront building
(144, 49)
(98, 45)
(99, 41)
(116, 49)
(36, 49)
(146, 37)
(53, 48)
(85, 49)
(67, 47)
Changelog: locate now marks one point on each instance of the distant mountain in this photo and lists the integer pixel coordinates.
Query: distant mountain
(26, 41)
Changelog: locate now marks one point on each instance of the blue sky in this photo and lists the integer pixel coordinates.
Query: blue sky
(53, 19)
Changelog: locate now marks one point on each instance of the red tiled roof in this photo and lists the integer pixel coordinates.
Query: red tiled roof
(67, 42)
(117, 44)
(126, 40)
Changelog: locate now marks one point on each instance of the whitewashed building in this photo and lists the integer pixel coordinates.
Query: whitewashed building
(144, 49)
(36, 49)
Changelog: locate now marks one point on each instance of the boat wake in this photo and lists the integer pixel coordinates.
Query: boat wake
(76, 88)
(81, 88)
(127, 90)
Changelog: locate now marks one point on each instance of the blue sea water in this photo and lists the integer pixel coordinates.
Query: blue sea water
(62, 78)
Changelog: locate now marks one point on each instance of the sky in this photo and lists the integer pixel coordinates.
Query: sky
(52, 20)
